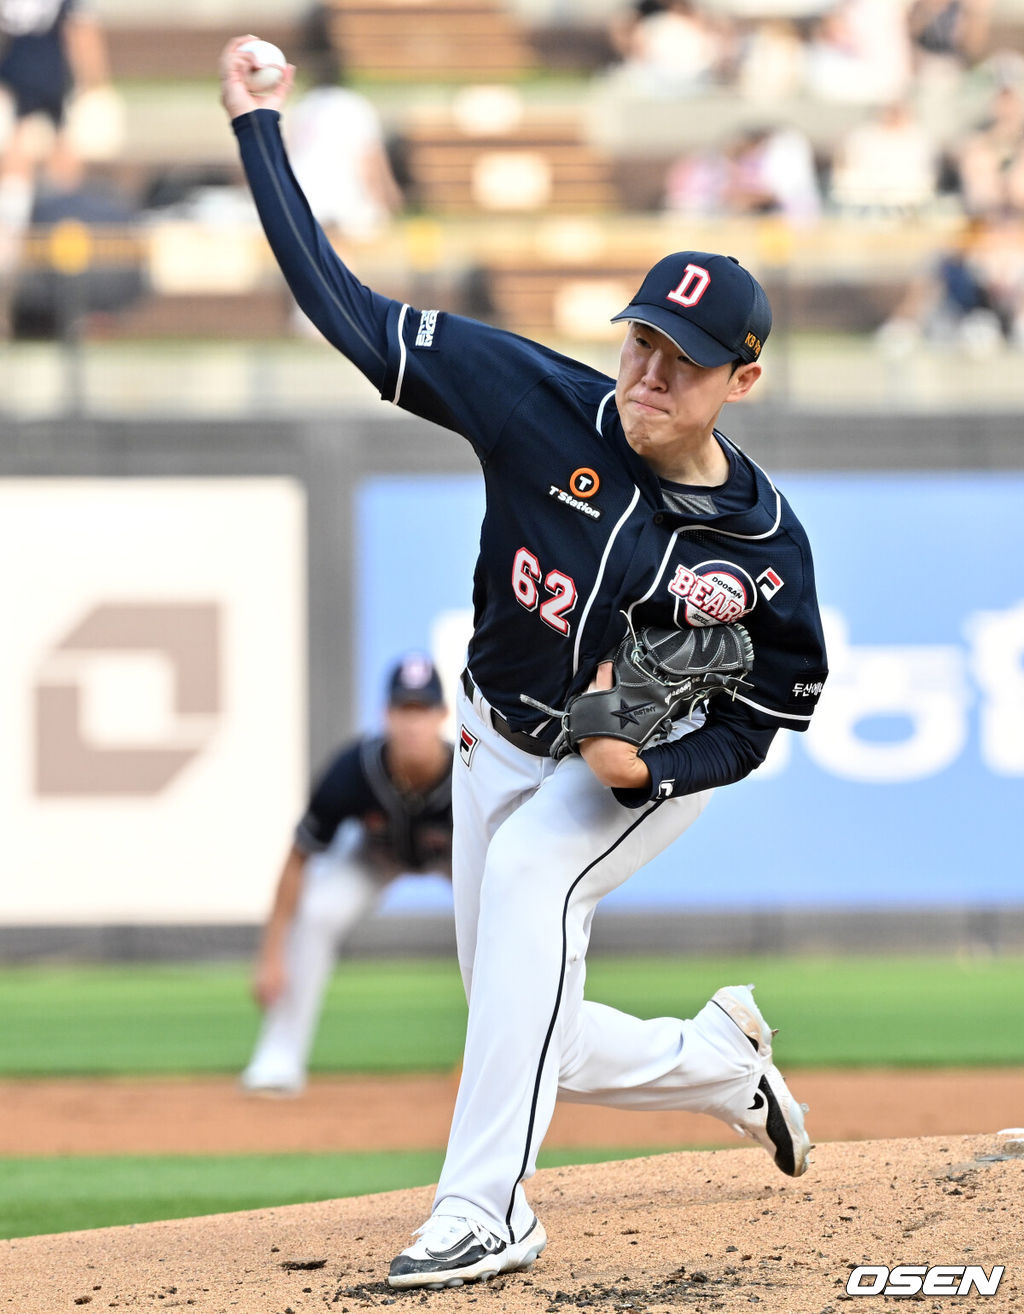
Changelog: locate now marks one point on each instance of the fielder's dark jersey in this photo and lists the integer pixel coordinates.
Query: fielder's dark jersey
(33, 64)
(410, 831)
(578, 533)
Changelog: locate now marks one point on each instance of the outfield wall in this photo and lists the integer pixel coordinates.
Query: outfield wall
(197, 614)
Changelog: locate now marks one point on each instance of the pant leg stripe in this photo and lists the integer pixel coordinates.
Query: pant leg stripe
(558, 1001)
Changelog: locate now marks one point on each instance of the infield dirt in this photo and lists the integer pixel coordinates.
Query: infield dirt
(202, 1115)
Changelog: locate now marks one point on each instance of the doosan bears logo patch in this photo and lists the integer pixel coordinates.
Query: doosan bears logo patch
(712, 593)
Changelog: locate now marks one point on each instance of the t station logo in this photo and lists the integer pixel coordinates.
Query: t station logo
(84, 689)
(583, 484)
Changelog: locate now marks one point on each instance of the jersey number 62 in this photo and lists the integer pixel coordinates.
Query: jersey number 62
(527, 580)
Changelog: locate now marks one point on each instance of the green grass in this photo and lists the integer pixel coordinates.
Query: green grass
(935, 1011)
(384, 1016)
(379, 1016)
(404, 1016)
(42, 1195)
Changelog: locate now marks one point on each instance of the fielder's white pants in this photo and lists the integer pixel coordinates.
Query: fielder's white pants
(537, 845)
(339, 888)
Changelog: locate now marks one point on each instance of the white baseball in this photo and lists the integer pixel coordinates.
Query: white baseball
(268, 65)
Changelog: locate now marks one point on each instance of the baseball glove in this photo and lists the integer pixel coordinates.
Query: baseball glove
(657, 676)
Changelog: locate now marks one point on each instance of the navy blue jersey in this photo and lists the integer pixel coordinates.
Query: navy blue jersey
(33, 63)
(410, 830)
(578, 534)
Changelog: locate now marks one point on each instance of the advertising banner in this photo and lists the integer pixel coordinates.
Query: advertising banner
(903, 790)
(152, 697)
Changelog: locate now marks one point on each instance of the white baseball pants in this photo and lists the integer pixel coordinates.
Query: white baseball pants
(339, 888)
(537, 845)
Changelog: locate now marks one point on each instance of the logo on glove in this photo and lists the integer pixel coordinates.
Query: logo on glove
(627, 715)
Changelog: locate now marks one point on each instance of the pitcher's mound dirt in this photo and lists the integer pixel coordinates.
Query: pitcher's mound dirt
(718, 1230)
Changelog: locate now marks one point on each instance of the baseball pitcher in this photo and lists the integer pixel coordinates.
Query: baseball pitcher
(645, 623)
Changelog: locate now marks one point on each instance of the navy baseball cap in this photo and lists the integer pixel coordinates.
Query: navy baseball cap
(709, 305)
(415, 681)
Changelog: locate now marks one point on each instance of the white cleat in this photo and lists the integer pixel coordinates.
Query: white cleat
(774, 1118)
(450, 1251)
(272, 1085)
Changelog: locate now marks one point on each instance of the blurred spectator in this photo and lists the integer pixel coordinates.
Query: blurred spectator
(48, 48)
(764, 170)
(947, 36)
(991, 159)
(336, 144)
(670, 47)
(49, 303)
(623, 25)
(972, 299)
(887, 164)
(774, 173)
(696, 182)
(198, 193)
(859, 53)
(771, 61)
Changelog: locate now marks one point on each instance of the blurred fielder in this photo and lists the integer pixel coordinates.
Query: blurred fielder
(382, 807)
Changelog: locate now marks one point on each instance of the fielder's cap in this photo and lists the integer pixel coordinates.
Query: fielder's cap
(709, 305)
(414, 681)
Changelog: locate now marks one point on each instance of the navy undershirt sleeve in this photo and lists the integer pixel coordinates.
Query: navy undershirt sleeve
(351, 317)
(454, 371)
(726, 748)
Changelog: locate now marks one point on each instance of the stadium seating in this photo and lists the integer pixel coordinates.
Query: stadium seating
(498, 154)
(442, 40)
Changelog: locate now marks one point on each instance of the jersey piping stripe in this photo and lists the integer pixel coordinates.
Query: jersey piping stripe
(558, 1002)
(729, 533)
(403, 355)
(770, 711)
(607, 547)
(746, 455)
(329, 291)
(767, 478)
(600, 575)
(600, 410)
(657, 578)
